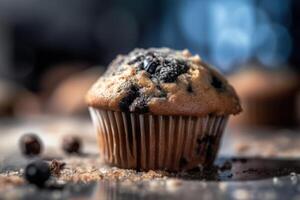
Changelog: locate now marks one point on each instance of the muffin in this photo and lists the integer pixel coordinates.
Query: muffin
(268, 97)
(159, 108)
(67, 101)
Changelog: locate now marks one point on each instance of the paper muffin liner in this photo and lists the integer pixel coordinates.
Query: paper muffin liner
(146, 141)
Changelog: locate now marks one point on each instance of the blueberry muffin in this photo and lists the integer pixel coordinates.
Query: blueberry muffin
(268, 96)
(159, 108)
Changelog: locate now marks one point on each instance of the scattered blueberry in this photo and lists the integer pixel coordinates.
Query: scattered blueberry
(132, 94)
(37, 173)
(216, 82)
(150, 63)
(71, 144)
(30, 144)
(189, 88)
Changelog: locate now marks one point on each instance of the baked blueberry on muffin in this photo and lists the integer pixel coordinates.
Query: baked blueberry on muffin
(159, 108)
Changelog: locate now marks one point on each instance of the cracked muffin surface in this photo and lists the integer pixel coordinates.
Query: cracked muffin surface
(162, 81)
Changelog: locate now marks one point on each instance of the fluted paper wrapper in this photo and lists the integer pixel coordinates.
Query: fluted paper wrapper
(145, 141)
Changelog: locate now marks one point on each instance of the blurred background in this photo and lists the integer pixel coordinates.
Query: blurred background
(52, 51)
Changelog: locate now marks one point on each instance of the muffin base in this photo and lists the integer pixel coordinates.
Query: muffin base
(145, 141)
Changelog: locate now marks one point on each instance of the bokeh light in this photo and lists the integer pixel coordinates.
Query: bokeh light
(235, 32)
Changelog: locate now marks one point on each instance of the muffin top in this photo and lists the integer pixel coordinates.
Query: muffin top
(162, 81)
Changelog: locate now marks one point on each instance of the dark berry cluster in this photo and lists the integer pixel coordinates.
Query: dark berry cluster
(170, 70)
(160, 66)
(134, 101)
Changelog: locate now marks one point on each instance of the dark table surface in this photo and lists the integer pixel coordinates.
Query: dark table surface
(264, 164)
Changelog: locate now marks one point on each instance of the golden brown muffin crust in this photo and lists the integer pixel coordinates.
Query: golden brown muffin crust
(162, 81)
